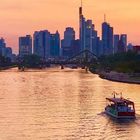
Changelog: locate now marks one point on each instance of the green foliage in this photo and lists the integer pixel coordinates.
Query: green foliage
(5, 61)
(122, 62)
(31, 61)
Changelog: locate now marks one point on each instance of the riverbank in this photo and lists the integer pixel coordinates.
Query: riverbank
(120, 77)
(7, 67)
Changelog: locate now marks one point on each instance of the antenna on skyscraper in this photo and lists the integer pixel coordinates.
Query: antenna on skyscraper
(81, 8)
(81, 3)
(104, 17)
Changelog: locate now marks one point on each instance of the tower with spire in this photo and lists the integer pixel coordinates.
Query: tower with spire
(82, 27)
(88, 35)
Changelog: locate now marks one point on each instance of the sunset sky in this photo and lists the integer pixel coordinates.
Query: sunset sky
(21, 17)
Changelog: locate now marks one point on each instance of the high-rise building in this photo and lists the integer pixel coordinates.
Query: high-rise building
(66, 43)
(116, 42)
(75, 46)
(82, 29)
(46, 45)
(95, 42)
(2, 46)
(69, 35)
(42, 44)
(99, 49)
(8, 52)
(88, 35)
(129, 47)
(123, 39)
(55, 45)
(122, 45)
(25, 45)
(107, 38)
(111, 40)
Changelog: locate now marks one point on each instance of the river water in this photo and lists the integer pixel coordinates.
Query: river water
(64, 104)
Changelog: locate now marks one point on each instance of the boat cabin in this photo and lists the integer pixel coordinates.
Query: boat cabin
(121, 104)
(120, 107)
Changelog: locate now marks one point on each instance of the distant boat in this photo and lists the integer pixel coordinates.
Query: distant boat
(120, 108)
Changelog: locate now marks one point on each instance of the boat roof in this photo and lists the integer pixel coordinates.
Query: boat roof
(120, 100)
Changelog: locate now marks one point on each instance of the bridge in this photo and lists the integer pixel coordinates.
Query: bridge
(84, 58)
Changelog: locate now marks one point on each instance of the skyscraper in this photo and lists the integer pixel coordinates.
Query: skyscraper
(82, 29)
(107, 38)
(8, 52)
(123, 39)
(66, 43)
(99, 49)
(4, 50)
(69, 35)
(88, 35)
(75, 46)
(25, 45)
(111, 40)
(129, 47)
(116, 42)
(42, 44)
(95, 42)
(122, 45)
(2, 46)
(55, 45)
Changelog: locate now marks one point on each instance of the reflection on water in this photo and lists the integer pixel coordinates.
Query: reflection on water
(62, 105)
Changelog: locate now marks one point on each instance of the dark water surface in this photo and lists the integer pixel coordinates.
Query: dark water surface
(64, 104)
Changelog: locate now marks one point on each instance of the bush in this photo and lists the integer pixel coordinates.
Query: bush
(121, 62)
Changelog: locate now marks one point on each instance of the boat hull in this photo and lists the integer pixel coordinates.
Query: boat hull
(120, 115)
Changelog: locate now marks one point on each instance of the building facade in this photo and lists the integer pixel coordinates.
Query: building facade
(41, 41)
(88, 35)
(66, 43)
(116, 42)
(107, 38)
(123, 39)
(2, 47)
(25, 45)
(55, 45)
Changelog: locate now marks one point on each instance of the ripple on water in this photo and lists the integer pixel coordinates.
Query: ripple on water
(65, 104)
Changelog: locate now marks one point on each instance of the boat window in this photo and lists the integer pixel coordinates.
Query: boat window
(130, 107)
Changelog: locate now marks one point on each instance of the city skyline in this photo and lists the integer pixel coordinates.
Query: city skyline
(19, 18)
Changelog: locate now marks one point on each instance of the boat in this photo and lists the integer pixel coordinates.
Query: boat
(120, 108)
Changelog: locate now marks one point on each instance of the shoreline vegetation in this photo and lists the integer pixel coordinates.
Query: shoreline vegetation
(6, 63)
(122, 67)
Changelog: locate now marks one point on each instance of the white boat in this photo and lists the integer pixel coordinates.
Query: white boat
(120, 108)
